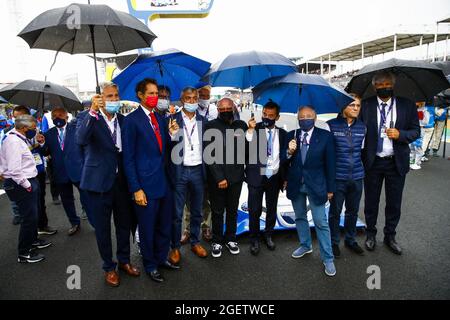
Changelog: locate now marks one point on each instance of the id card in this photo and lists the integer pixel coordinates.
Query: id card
(37, 159)
(383, 133)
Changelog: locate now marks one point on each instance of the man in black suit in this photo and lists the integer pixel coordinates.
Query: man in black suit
(264, 174)
(225, 159)
(392, 124)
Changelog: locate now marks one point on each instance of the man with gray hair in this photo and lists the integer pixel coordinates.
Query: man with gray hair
(310, 152)
(18, 169)
(392, 124)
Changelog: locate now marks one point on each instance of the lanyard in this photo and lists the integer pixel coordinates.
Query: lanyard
(270, 146)
(384, 116)
(189, 136)
(28, 143)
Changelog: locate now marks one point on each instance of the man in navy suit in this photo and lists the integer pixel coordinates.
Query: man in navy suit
(75, 162)
(188, 171)
(266, 175)
(145, 145)
(103, 179)
(392, 124)
(56, 140)
(312, 174)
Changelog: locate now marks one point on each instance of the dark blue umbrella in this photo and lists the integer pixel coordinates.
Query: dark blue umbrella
(172, 68)
(297, 89)
(248, 69)
(3, 100)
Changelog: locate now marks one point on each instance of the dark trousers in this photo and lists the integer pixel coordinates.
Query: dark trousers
(155, 224)
(271, 187)
(116, 203)
(349, 191)
(383, 170)
(42, 210)
(27, 203)
(191, 179)
(221, 200)
(84, 199)
(53, 186)
(68, 201)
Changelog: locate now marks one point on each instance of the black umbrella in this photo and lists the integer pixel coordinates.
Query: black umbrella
(415, 80)
(85, 28)
(41, 94)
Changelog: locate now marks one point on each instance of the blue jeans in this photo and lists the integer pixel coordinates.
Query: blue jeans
(320, 221)
(349, 191)
(191, 179)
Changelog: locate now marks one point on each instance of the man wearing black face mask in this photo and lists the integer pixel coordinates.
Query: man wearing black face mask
(392, 124)
(55, 143)
(265, 175)
(225, 175)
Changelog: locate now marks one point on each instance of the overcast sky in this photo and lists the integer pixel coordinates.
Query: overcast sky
(305, 28)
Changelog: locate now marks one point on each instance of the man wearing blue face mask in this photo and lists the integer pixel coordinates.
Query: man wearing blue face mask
(163, 107)
(310, 153)
(103, 178)
(18, 169)
(56, 141)
(265, 175)
(189, 173)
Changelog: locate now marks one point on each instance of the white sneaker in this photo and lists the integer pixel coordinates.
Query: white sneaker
(233, 247)
(424, 159)
(216, 251)
(415, 167)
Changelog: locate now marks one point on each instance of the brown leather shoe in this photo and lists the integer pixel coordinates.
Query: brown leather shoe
(174, 256)
(185, 237)
(199, 251)
(112, 278)
(75, 229)
(130, 269)
(207, 234)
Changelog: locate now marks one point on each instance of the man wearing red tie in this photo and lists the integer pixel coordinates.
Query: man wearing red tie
(145, 144)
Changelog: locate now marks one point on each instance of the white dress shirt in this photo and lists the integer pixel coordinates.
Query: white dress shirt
(273, 162)
(388, 146)
(111, 128)
(16, 160)
(192, 153)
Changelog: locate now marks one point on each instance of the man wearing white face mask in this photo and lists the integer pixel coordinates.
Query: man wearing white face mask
(104, 180)
(188, 172)
(206, 109)
(163, 107)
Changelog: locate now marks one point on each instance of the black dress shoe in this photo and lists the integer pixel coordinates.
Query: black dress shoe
(156, 276)
(170, 266)
(254, 248)
(371, 243)
(355, 248)
(393, 246)
(270, 244)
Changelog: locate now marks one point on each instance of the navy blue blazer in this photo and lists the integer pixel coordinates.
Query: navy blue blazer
(145, 165)
(61, 166)
(176, 150)
(407, 123)
(74, 152)
(319, 170)
(253, 173)
(102, 163)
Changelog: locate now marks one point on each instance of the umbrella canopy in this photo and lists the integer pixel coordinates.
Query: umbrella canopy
(297, 89)
(248, 69)
(172, 68)
(84, 28)
(415, 80)
(2, 100)
(41, 94)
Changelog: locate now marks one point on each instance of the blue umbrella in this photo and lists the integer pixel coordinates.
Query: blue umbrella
(172, 68)
(248, 69)
(3, 100)
(297, 89)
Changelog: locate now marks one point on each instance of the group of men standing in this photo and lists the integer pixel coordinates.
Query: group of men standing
(151, 167)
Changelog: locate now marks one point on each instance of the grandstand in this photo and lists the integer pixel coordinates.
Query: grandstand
(340, 65)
